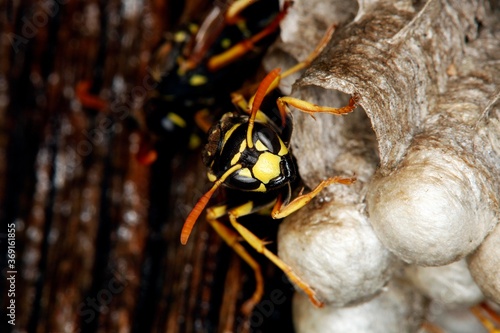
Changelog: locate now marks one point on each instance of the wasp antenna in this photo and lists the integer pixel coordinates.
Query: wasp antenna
(310, 58)
(195, 213)
(269, 83)
(202, 202)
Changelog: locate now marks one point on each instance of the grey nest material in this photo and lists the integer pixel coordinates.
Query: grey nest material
(424, 145)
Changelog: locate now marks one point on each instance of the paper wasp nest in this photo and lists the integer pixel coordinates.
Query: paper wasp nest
(424, 145)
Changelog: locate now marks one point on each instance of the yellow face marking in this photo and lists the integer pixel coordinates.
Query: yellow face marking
(283, 150)
(243, 146)
(235, 158)
(225, 43)
(197, 80)
(176, 119)
(245, 172)
(267, 167)
(262, 188)
(260, 146)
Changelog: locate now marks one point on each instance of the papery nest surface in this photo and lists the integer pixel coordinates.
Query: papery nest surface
(424, 145)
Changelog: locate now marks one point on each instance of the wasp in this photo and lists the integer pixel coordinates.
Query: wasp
(250, 153)
(199, 65)
(488, 316)
(196, 68)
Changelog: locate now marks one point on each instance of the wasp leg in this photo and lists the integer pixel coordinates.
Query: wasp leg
(240, 49)
(311, 108)
(306, 62)
(488, 317)
(274, 78)
(303, 105)
(146, 154)
(232, 13)
(259, 246)
(87, 99)
(281, 209)
(491, 312)
(431, 328)
(202, 120)
(232, 239)
(239, 101)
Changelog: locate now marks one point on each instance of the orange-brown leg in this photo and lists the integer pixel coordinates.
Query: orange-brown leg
(238, 50)
(239, 101)
(233, 240)
(202, 120)
(259, 246)
(232, 13)
(317, 50)
(431, 328)
(87, 99)
(311, 108)
(488, 317)
(491, 312)
(146, 154)
(282, 210)
(304, 106)
(304, 63)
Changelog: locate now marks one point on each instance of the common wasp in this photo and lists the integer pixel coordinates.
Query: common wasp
(195, 68)
(200, 64)
(249, 152)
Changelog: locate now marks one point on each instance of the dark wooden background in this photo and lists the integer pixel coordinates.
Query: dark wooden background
(97, 233)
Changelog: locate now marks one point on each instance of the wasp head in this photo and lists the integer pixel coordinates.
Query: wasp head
(265, 166)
